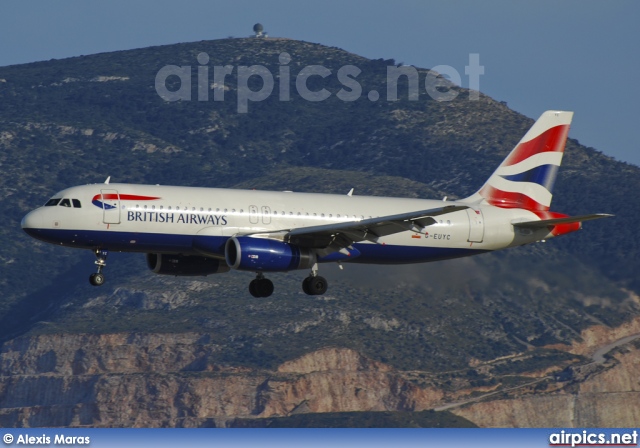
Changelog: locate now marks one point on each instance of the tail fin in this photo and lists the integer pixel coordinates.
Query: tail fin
(525, 178)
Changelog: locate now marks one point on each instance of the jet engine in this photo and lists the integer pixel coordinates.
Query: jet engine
(264, 255)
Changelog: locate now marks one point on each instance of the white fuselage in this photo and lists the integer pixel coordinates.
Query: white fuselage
(187, 220)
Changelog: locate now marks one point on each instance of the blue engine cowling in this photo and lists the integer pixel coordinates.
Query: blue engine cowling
(185, 265)
(260, 254)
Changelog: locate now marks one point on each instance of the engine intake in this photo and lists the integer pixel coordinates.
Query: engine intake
(185, 265)
(260, 254)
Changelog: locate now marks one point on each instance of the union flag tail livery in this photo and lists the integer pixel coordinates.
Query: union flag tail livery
(186, 231)
(525, 178)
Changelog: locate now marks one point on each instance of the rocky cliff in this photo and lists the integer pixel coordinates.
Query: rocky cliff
(168, 380)
(610, 399)
(156, 380)
(604, 393)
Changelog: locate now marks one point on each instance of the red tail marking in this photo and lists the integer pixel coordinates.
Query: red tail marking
(551, 140)
(506, 199)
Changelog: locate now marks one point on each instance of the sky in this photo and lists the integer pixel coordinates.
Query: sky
(580, 55)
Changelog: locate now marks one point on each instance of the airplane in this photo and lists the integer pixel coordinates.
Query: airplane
(188, 231)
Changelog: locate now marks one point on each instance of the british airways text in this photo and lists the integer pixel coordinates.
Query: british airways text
(178, 218)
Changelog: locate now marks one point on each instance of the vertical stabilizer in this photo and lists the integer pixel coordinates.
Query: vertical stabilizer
(525, 178)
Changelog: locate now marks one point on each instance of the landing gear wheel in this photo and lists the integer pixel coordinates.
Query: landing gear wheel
(265, 287)
(252, 288)
(261, 287)
(315, 286)
(96, 279)
(305, 285)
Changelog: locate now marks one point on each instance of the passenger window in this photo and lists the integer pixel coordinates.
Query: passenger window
(65, 203)
(52, 202)
(76, 203)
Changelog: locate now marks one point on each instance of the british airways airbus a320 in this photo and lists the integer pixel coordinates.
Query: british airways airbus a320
(201, 231)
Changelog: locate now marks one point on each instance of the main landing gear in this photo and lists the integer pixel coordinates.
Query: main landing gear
(261, 287)
(314, 285)
(98, 279)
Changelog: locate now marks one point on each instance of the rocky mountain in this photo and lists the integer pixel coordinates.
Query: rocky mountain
(173, 380)
(601, 394)
(415, 335)
(155, 380)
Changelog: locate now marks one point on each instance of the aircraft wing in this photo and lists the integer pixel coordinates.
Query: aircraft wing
(551, 222)
(334, 237)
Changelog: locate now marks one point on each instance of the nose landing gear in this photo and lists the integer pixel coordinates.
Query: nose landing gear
(97, 279)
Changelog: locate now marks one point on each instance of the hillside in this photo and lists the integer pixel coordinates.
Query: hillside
(79, 120)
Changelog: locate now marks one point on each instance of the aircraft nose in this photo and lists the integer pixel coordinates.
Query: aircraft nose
(31, 221)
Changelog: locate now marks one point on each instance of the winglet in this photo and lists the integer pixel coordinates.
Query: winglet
(107, 181)
(350, 192)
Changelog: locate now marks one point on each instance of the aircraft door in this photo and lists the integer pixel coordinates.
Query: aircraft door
(110, 206)
(266, 214)
(476, 225)
(253, 214)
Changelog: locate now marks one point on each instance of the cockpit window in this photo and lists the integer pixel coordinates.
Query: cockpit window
(52, 202)
(65, 203)
(76, 203)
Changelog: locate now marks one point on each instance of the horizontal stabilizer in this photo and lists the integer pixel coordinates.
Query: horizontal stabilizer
(553, 222)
